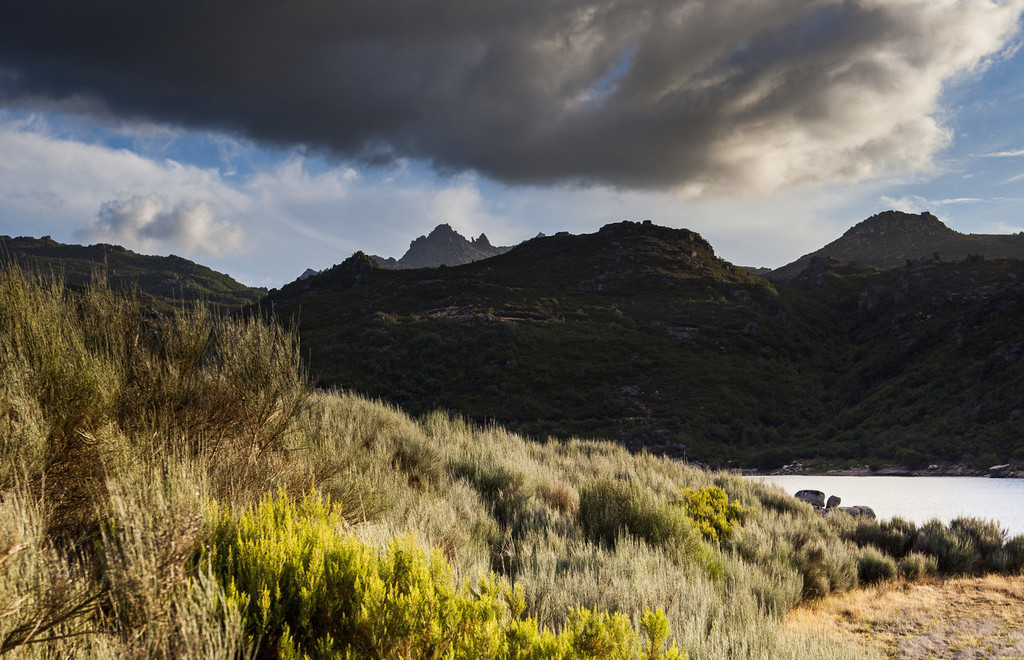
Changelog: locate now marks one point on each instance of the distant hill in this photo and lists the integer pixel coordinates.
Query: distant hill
(160, 280)
(889, 239)
(641, 334)
(442, 247)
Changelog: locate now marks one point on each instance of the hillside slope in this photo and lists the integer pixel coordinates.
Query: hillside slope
(160, 280)
(636, 332)
(640, 333)
(889, 239)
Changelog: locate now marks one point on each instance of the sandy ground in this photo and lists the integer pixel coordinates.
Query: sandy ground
(955, 618)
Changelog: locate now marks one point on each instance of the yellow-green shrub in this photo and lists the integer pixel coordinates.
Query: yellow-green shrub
(310, 590)
(711, 512)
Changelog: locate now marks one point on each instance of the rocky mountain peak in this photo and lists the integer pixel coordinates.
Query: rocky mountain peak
(443, 246)
(893, 238)
(890, 222)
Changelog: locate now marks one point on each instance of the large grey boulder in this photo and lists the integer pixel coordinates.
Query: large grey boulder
(813, 497)
(999, 471)
(833, 502)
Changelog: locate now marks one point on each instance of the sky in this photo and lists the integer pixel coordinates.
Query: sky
(264, 137)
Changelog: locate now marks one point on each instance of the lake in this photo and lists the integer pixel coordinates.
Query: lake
(920, 499)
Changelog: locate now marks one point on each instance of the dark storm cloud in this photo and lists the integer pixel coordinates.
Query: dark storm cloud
(688, 94)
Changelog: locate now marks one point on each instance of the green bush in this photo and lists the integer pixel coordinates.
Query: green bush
(609, 508)
(894, 537)
(1009, 558)
(916, 566)
(712, 513)
(308, 590)
(824, 567)
(985, 535)
(873, 566)
(954, 553)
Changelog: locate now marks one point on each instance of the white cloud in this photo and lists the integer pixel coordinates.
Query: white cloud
(151, 223)
(1016, 153)
(916, 203)
(62, 182)
(865, 108)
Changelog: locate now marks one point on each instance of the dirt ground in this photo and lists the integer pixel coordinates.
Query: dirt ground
(955, 618)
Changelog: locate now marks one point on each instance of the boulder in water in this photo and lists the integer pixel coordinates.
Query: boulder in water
(815, 498)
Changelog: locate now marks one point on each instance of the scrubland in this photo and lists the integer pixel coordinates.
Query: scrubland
(173, 486)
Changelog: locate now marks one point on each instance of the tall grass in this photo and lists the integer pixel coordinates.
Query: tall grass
(164, 490)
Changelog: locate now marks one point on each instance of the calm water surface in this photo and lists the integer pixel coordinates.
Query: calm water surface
(920, 499)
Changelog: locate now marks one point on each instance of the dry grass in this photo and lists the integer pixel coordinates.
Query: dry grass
(978, 617)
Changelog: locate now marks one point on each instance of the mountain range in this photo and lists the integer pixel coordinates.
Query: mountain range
(898, 343)
(641, 333)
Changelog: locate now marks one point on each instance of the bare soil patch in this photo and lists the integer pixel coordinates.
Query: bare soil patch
(956, 618)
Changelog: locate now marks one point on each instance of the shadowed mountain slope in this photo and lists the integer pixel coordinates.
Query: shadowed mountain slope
(160, 280)
(889, 239)
(641, 334)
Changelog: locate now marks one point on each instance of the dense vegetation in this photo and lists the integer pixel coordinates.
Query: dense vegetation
(888, 239)
(170, 486)
(158, 281)
(640, 334)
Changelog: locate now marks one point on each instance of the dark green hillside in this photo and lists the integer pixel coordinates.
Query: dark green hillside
(641, 334)
(934, 356)
(160, 280)
(637, 332)
(889, 239)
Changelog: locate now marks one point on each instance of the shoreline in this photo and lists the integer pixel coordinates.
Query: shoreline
(888, 471)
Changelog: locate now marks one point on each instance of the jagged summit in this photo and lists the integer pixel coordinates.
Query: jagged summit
(889, 239)
(443, 247)
(898, 221)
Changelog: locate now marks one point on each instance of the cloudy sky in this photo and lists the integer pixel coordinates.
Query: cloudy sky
(261, 137)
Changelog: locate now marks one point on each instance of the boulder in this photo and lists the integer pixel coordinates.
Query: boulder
(813, 497)
(859, 511)
(833, 502)
(999, 471)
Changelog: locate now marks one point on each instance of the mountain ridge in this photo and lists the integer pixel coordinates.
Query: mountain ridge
(443, 246)
(163, 281)
(640, 333)
(889, 239)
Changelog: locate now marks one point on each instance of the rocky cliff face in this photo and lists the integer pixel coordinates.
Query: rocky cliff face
(443, 247)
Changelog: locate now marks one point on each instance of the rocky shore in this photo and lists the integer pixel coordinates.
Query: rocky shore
(954, 470)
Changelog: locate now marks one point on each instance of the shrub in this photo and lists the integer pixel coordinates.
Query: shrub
(811, 562)
(894, 537)
(502, 487)
(609, 508)
(824, 567)
(1010, 558)
(308, 590)
(986, 536)
(873, 566)
(916, 566)
(953, 552)
(712, 513)
(560, 495)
